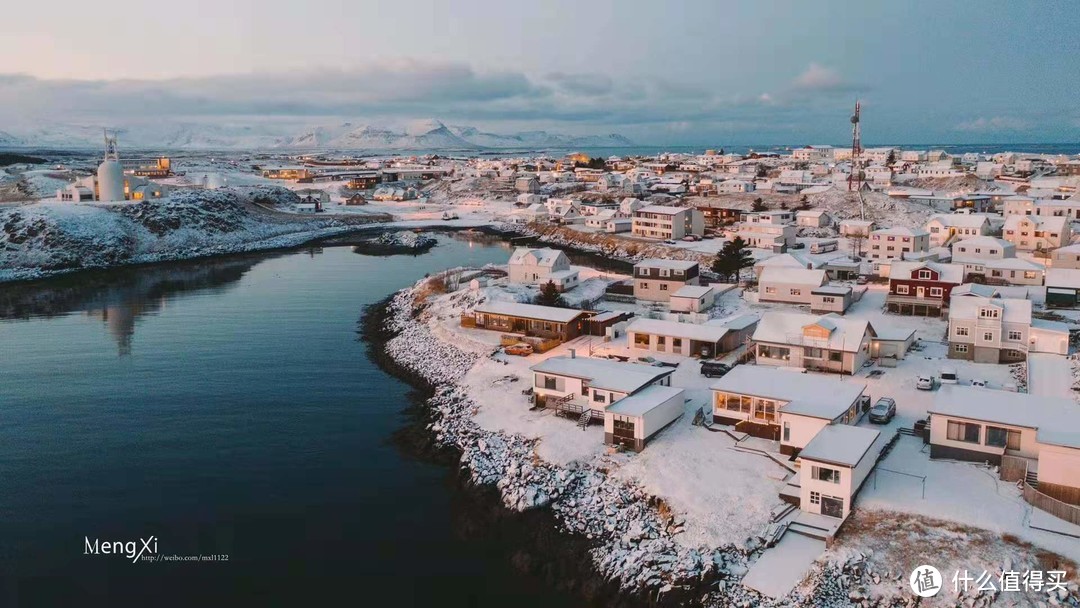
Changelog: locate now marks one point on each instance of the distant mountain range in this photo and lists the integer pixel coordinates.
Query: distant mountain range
(429, 134)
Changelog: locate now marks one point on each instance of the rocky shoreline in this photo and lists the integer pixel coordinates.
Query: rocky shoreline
(628, 534)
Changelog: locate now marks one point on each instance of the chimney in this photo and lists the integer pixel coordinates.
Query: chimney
(573, 354)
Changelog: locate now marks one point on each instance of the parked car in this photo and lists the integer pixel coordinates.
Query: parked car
(520, 349)
(714, 369)
(948, 375)
(798, 246)
(1011, 387)
(924, 383)
(883, 411)
(670, 242)
(979, 382)
(862, 280)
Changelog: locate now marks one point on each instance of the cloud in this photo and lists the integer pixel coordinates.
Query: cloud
(818, 78)
(996, 123)
(582, 84)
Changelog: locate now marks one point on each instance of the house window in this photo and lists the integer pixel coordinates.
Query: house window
(1015, 336)
(770, 290)
(676, 344)
(963, 431)
(663, 286)
(815, 498)
(643, 285)
(549, 382)
(836, 356)
(1029, 274)
(787, 431)
(828, 300)
(599, 397)
(988, 313)
(902, 290)
(936, 292)
(988, 336)
(924, 274)
(1002, 438)
(825, 474)
(796, 292)
(961, 331)
(961, 348)
(665, 272)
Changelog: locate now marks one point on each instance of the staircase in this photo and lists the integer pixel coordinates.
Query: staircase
(1032, 479)
(906, 431)
(585, 419)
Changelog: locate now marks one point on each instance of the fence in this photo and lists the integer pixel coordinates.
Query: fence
(1015, 469)
(1053, 506)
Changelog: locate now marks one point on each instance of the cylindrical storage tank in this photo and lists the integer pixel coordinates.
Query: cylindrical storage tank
(110, 181)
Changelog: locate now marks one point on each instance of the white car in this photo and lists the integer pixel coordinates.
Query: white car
(979, 382)
(924, 383)
(948, 375)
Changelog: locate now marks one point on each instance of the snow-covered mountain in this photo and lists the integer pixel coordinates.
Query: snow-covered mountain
(427, 134)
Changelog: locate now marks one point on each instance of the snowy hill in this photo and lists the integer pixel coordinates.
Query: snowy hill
(426, 134)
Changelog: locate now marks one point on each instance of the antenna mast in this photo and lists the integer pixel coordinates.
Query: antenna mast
(855, 178)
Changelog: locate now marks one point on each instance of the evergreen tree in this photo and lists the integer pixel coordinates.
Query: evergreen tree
(550, 296)
(758, 205)
(732, 258)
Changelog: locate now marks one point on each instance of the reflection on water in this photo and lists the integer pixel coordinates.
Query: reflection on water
(120, 297)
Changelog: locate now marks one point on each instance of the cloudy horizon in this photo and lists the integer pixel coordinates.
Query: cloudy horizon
(691, 73)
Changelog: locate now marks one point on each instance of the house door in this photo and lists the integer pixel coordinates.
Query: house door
(623, 431)
(519, 325)
(831, 506)
(921, 292)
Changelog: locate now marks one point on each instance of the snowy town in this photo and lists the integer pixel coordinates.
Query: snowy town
(801, 351)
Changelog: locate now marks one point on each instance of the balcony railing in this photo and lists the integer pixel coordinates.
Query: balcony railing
(922, 301)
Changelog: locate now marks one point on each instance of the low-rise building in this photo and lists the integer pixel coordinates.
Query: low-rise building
(634, 420)
(826, 343)
(1039, 433)
(813, 218)
(692, 298)
(1066, 257)
(1033, 232)
(529, 266)
(921, 288)
(656, 279)
(579, 384)
(831, 298)
(946, 229)
(790, 285)
(782, 405)
(856, 228)
(530, 320)
(660, 222)
(834, 466)
(1063, 287)
(895, 243)
(1000, 330)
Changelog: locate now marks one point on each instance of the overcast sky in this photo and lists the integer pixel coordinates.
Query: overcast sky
(708, 72)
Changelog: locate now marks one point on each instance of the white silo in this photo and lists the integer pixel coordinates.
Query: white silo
(110, 174)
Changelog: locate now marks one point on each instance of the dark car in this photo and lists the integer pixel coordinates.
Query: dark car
(883, 411)
(714, 369)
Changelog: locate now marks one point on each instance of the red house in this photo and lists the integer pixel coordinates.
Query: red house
(922, 288)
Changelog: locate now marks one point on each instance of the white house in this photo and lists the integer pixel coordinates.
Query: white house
(632, 421)
(812, 218)
(1066, 257)
(661, 222)
(834, 465)
(656, 279)
(983, 248)
(983, 425)
(782, 405)
(947, 228)
(790, 285)
(586, 383)
(1032, 232)
(692, 298)
(734, 186)
(828, 343)
(895, 243)
(538, 266)
(856, 228)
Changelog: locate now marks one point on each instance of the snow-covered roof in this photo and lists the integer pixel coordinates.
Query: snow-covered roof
(530, 311)
(974, 289)
(959, 220)
(1042, 221)
(690, 331)
(1068, 249)
(900, 231)
(857, 223)
(840, 444)
(735, 322)
(832, 290)
(814, 395)
(604, 373)
(1057, 419)
(793, 276)
(947, 273)
(661, 209)
(845, 334)
(1063, 277)
(644, 402)
(536, 257)
(662, 263)
(810, 212)
(984, 241)
(1014, 310)
(1002, 263)
(790, 260)
(691, 291)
